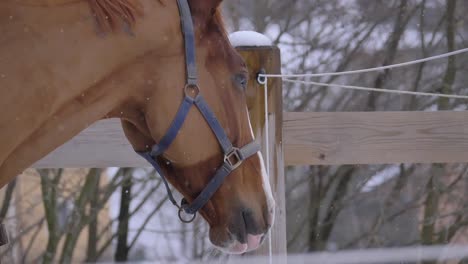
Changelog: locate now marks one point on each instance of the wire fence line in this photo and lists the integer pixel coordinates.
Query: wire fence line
(291, 78)
(379, 90)
(375, 69)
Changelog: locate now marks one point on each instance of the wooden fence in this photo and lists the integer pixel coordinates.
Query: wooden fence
(309, 139)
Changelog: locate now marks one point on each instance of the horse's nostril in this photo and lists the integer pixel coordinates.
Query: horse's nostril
(248, 221)
(253, 225)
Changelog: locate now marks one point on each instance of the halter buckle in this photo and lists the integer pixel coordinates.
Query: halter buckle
(233, 159)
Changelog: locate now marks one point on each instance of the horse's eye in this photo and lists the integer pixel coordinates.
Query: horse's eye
(241, 80)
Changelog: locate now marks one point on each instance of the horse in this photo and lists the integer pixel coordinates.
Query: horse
(65, 64)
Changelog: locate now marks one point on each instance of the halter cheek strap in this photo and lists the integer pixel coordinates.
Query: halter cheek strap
(233, 157)
(189, 41)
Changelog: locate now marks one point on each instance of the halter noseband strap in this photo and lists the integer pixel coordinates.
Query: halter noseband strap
(233, 157)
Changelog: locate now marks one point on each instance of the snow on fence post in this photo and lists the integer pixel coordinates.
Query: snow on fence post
(259, 54)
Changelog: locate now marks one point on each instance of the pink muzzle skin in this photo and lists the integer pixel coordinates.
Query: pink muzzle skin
(253, 242)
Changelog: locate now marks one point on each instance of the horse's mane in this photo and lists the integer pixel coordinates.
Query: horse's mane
(112, 15)
(218, 19)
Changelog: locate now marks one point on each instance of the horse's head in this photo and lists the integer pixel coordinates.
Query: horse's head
(241, 211)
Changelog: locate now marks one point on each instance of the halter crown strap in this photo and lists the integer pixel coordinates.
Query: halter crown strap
(189, 41)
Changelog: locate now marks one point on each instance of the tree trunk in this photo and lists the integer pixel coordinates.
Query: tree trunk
(91, 255)
(392, 48)
(7, 200)
(49, 199)
(80, 218)
(450, 71)
(121, 252)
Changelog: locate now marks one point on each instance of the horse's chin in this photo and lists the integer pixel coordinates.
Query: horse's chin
(236, 248)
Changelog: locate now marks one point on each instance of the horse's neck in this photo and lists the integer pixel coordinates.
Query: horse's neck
(109, 14)
(57, 76)
(44, 2)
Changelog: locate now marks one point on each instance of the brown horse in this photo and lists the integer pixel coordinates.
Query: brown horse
(65, 64)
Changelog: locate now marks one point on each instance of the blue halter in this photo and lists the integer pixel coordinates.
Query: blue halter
(233, 156)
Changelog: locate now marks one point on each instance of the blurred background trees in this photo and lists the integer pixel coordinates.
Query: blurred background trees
(342, 207)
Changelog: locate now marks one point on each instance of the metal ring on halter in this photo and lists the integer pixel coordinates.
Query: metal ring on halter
(186, 221)
(191, 90)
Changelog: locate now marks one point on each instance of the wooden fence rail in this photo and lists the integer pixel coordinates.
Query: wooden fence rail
(309, 138)
(375, 137)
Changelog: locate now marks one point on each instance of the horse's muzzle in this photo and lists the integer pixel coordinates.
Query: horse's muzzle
(246, 232)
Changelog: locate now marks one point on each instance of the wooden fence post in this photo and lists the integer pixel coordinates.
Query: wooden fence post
(268, 59)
